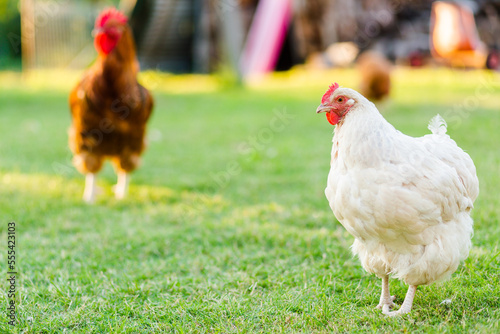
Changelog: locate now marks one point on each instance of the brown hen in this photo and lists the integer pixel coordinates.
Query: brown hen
(109, 108)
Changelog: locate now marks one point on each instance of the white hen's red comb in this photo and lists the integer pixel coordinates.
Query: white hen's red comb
(329, 92)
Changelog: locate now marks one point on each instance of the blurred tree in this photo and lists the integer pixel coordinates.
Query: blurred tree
(8, 9)
(10, 34)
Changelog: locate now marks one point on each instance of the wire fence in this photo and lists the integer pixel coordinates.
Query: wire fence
(57, 34)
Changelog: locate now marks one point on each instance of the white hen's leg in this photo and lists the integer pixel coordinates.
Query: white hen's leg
(89, 192)
(386, 300)
(122, 185)
(407, 304)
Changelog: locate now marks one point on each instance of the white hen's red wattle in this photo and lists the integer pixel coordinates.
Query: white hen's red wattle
(332, 118)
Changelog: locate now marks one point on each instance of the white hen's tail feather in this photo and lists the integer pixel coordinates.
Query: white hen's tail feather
(437, 125)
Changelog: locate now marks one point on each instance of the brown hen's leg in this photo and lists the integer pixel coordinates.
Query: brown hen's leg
(122, 184)
(89, 192)
(407, 304)
(386, 300)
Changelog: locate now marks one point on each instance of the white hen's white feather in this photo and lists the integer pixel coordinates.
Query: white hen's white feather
(406, 200)
(438, 125)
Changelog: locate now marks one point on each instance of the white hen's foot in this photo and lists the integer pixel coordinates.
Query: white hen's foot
(407, 304)
(386, 300)
(386, 303)
(121, 187)
(89, 192)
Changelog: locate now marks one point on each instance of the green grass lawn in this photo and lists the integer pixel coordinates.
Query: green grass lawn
(226, 228)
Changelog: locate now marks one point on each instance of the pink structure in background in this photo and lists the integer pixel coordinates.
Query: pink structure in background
(266, 36)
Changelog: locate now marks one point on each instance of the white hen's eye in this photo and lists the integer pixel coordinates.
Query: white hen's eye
(340, 99)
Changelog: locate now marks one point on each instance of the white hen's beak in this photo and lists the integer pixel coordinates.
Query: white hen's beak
(323, 108)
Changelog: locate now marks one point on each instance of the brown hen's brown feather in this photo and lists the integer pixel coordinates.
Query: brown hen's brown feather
(109, 110)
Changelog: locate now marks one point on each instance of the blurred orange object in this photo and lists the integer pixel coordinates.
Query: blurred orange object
(453, 36)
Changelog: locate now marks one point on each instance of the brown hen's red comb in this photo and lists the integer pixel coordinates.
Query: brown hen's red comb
(329, 92)
(110, 13)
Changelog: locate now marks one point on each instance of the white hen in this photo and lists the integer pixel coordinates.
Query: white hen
(406, 200)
